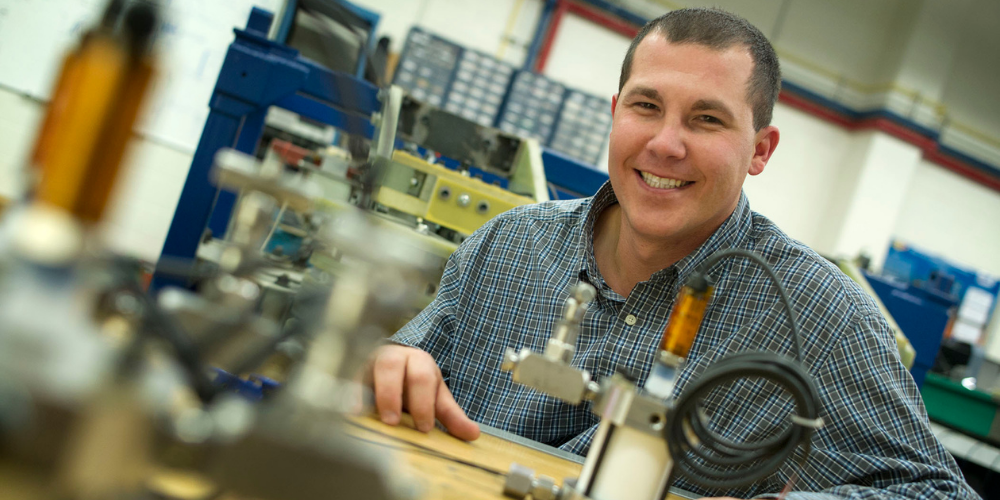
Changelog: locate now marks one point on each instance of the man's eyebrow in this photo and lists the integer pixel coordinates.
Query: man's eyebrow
(712, 105)
(647, 92)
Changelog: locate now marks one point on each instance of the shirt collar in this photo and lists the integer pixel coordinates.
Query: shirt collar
(730, 234)
(604, 198)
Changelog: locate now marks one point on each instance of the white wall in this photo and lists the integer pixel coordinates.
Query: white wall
(876, 200)
(144, 200)
(794, 189)
(952, 216)
(19, 118)
(587, 56)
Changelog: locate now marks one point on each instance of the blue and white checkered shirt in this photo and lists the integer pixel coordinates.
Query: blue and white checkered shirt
(506, 285)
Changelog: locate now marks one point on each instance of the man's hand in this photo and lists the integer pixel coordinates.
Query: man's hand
(401, 373)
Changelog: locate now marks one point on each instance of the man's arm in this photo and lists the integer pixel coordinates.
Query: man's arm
(413, 370)
(402, 372)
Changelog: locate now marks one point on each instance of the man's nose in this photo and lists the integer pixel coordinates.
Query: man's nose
(669, 141)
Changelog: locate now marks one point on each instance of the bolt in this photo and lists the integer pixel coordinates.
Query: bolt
(464, 199)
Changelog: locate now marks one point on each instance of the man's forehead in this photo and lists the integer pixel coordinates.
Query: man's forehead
(735, 57)
(724, 74)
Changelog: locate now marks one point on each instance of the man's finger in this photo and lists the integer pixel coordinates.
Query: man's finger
(421, 388)
(388, 372)
(452, 416)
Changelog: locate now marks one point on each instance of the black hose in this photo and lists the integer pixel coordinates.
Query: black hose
(711, 460)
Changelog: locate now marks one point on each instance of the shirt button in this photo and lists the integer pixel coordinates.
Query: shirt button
(630, 320)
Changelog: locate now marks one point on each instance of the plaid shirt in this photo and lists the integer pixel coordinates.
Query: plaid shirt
(506, 285)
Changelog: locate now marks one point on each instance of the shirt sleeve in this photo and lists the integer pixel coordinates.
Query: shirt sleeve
(877, 442)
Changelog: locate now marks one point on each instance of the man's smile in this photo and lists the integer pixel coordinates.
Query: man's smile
(662, 182)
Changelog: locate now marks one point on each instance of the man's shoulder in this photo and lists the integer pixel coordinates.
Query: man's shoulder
(805, 271)
(555, 218)
(543, 228)
(570, 211)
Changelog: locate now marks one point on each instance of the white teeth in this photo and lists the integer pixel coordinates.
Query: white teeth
(662, 182)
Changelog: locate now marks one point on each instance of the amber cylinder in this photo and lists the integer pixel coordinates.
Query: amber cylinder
(86, 99)
(685, 320)
(106, 161)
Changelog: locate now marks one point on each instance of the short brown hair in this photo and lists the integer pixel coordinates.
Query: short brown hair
(720, 30)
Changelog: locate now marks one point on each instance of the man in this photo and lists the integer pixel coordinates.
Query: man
(690, 121)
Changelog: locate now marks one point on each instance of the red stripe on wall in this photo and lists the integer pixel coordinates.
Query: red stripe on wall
(610, 22)
(550, 35)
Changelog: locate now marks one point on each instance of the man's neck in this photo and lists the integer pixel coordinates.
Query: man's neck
(626, 259)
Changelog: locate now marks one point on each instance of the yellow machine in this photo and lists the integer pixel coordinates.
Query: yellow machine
(452, 200)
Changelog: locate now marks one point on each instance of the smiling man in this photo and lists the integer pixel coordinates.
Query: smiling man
(690, 122)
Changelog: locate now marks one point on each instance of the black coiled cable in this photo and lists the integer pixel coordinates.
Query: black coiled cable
(710, 460)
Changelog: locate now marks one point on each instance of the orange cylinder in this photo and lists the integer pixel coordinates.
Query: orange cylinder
(685, 320)
(114, 139)
(85, 102)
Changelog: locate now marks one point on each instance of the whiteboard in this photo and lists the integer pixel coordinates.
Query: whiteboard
(192, 43)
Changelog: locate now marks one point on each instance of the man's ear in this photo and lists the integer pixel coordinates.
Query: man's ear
(614, 104)
(765, 141)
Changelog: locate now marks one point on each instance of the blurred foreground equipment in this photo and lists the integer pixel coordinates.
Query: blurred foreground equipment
(100, 383)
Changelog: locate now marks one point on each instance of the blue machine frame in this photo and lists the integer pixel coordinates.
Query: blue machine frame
(372, 18)
(258, 73)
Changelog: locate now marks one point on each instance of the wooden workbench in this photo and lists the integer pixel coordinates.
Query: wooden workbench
(439, 478)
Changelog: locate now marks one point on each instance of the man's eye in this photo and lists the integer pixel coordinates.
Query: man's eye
(646, 105)
(710, 119)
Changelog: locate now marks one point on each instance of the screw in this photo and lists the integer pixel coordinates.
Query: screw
(464, 199)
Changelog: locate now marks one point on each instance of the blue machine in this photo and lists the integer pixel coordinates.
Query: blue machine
(258, 73)
(570, 178)
(922, 316)
(365, 20)
(934, 275)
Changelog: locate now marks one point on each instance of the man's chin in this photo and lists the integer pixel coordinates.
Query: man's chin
(650, 229)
